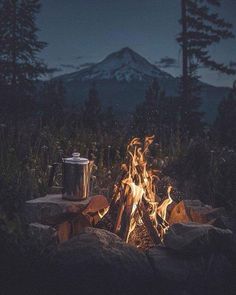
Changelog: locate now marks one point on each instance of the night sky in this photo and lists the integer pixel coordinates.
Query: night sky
(86, 31)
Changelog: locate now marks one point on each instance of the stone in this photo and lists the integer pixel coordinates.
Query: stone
(206, 214)
(42, 235)
(194, 211)
(225, 222)
(52, 209)
(170, 267)
(194, 274)
(99, 262)
(197, 238)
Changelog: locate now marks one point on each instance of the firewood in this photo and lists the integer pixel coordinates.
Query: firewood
(118, 188)
(129, 218)
(119, 214)
(161, 221)
(152, 231)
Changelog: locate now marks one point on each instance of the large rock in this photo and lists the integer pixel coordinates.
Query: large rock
(194, 211)
(189, 275)
(42, 235)
(99, 262)
(52, 209)
(198, 238)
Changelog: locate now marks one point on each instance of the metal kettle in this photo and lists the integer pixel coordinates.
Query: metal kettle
(76, 174)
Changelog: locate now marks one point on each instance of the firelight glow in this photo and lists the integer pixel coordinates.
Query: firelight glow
(137, 197)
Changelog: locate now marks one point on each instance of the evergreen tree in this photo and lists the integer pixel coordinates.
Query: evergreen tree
(146, 116)
(19, 46)
(200, 29)
(191, 118)
(168, 122)
(53, 103)
(92, 109)
(225, 127)
(109, 121)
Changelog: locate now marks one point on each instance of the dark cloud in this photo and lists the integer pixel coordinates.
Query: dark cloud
(167, 62)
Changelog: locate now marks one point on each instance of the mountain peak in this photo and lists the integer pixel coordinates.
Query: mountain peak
(126, 49)
(122, 65)
(127, 54)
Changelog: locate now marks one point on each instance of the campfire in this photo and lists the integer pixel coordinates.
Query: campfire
(135, 195)
(179, 249)
(138, 208)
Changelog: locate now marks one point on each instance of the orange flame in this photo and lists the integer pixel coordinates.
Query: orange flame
(138, 185)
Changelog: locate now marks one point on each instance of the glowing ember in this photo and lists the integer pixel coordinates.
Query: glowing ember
(137, 197)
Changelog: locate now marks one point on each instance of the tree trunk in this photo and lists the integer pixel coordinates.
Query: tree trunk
(184, 60)
(13, 82)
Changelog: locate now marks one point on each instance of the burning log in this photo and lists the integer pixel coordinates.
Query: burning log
(96, 209)
(135, 193)
(119, 214)
(152, 231)
(118, 187)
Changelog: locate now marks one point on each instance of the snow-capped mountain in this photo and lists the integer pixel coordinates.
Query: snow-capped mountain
(122, 79)
(123, 65)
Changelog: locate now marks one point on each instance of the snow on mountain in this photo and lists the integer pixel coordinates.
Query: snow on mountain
(123, 65)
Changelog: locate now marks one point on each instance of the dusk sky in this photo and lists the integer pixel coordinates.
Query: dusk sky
(86, 31)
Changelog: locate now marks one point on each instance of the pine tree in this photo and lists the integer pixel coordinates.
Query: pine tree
(146, 116)
(225, 127)
(167, 117)
(92, 109)
(53, 103)
(200, 29)
(19, 46)
(109, 121)
(191, 117)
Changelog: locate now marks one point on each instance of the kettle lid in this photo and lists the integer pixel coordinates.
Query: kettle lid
(75, 159)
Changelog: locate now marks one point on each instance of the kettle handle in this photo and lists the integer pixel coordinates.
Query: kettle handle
(52, 174)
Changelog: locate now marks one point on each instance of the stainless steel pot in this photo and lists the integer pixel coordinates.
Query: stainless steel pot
(76, 173)
(76, 177)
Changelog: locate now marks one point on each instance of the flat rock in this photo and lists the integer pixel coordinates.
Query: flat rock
(52, 209)
(198, 238)
(99, 262)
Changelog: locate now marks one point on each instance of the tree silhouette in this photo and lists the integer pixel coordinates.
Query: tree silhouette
(109, 120)
(146, 115)
(92, 109)
(19, 46)
(200, 29)
(225, 127)
(53, 103)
